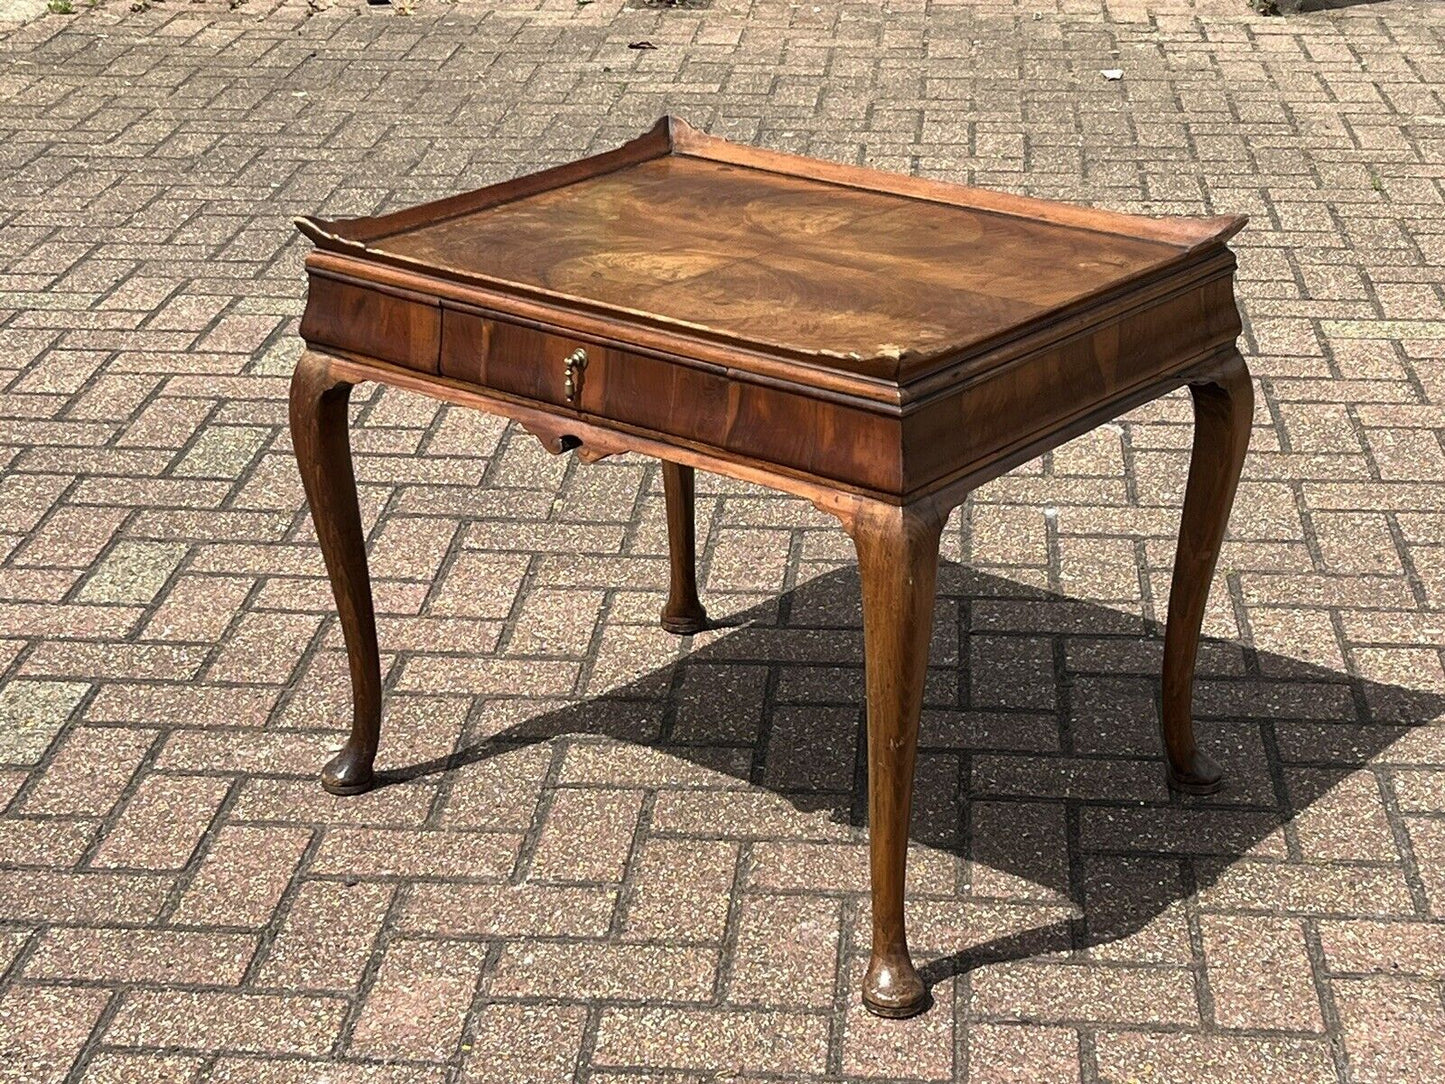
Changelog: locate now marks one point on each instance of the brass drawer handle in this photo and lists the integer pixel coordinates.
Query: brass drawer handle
(572, 373)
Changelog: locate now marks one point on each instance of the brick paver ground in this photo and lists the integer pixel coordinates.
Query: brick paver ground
(611, 856)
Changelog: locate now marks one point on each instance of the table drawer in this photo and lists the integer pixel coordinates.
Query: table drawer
(602, 381)
(696, 403)
(518, 360)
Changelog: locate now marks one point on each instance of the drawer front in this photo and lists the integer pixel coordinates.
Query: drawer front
(701, 405)
(521, 361)
(400, 328)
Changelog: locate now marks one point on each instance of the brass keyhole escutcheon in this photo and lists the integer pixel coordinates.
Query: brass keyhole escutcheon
(572, 373)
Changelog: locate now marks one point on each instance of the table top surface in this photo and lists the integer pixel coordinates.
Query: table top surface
(850, 268)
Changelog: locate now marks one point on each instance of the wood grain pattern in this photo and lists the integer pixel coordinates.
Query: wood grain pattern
(778, 425)
(391, 324)
(1033, 391)
(980, 419)
(682, 614)
(864, 278)
(1187, 231)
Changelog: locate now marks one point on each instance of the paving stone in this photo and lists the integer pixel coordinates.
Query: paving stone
(31, 714)
(710, 1039)
(1057, 993)
(1390, 948)
(525, 910)
(145, 956)
(922, 1048)
(47, 895)
(1391, 1028)
(587, 835)
(572, 797)
(242, 876)
(44, 1030)
(785, 943)
(367, 852)
(611, 972)
(1014, 1054)
(260, 1023)
(1259, 974)
(239, 1069)
(121, 1067)
(45, 842)
(132, 572)
(417, 1006)
(1427, 837)
(162, 822)
(1163, 1058)
(326, 937)
(535, 1044)
(681, 890)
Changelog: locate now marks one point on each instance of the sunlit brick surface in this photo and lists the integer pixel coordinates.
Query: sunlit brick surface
(606, 855)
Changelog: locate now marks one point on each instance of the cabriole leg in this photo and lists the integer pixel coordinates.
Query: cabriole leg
(683, 613)
(898, 567)
(1223, 409)
(323, 453)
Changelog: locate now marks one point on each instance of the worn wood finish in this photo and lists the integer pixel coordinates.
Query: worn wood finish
(321, 437)
(902, 273)
(1187, 232)
(879, 345)
(866, 278)
(985, 415)
(897, 567)
(1223, 412)
(683, 614)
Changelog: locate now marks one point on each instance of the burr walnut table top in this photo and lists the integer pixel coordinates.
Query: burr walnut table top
(863, 276)
(821, 320)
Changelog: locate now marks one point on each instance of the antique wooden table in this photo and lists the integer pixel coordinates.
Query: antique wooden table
(877, 344)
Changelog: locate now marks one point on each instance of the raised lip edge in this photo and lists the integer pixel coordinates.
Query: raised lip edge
(673, 135)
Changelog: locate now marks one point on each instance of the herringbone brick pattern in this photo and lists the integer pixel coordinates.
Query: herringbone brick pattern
(607, 855)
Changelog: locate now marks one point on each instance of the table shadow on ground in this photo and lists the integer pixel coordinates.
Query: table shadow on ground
(1040, 725)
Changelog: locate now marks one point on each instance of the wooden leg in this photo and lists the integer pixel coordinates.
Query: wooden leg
(898, 567)
(323, 452)
(683, 613)
(1223, 409)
